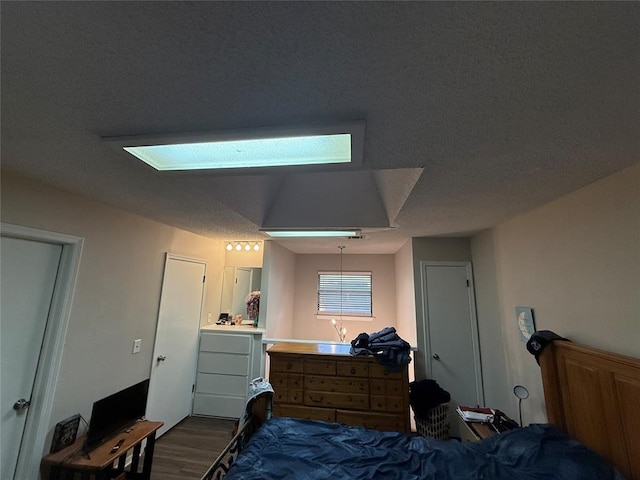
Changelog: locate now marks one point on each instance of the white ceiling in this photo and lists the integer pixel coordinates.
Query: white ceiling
(474, 111)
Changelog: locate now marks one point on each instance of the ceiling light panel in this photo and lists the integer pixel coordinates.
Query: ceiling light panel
(340, 144)
(311, 233)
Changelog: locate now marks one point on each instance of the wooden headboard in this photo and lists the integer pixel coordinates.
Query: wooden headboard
(594, 396)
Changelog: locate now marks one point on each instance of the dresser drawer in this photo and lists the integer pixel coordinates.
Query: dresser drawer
(286, 380)
(307, 413)
(218, 405)
(352, 369)
(295, 396)
(319, 367)
(335, 384)
(385, 403)
(236, 385)
(225, 343)
(288, 364)
(356, 401)
(223, 363)
(288, 395)
(379, 386)
(378, 371)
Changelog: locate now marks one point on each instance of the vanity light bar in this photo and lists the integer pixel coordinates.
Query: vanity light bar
(239, 245)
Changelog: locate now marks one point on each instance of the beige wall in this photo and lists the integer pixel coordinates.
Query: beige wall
(497, 393)
(576, 262)
(405, 295)
(305, 323)
(278, 291)
(118, 289)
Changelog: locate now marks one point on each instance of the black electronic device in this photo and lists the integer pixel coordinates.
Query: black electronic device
(116, 412)
(502, 423)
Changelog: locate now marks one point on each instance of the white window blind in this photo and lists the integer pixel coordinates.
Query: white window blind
(348, 293)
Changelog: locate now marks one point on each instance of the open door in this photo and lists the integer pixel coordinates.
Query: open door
(173, 365)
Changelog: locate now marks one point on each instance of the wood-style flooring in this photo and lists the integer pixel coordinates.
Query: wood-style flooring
(186, 451)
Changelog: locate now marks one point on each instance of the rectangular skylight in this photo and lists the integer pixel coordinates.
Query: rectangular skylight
(248, 148)
(311, 233)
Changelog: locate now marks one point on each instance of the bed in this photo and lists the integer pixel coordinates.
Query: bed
(593, 433)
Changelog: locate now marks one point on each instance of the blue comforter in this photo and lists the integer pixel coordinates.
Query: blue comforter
(286, 448)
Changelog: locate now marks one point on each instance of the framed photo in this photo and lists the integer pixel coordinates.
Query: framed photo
(65, 433)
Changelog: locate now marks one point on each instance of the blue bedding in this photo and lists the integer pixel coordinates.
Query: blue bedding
(287, 448)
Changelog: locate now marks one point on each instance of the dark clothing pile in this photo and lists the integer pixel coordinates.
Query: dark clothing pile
(390, 351)
(425, 395)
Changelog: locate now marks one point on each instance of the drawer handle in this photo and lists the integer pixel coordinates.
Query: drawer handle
(353, 370)
(289, 366)
(317, 400)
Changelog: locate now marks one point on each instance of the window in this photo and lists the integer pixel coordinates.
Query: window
(347, 293)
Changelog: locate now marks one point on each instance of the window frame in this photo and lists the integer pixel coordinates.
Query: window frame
(345, 315)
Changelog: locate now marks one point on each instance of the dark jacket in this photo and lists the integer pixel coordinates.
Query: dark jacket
(386, 346)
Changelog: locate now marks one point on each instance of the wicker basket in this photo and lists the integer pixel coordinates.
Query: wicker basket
(436, 425)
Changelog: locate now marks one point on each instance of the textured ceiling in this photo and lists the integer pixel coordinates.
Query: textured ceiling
(474, 111)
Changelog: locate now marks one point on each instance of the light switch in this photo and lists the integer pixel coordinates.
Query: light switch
(136, 345)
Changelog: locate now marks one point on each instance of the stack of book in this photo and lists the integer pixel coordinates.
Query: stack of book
(476, 414)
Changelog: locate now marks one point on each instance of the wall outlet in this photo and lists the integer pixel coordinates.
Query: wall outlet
(136, 345)
(209, 318)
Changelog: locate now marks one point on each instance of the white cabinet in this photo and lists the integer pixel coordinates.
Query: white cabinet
(228, 358)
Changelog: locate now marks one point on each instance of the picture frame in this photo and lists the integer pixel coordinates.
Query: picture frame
(65, 433)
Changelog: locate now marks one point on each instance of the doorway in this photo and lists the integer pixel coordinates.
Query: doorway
(38, 272)
(241, 290)
(451, 331)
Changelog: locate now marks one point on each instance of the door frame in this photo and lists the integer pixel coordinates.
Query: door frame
(475, 336)
(44, 387)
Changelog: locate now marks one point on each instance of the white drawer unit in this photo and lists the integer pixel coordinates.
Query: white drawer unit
(227, 361)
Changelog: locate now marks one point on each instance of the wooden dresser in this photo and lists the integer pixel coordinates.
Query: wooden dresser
(324, 382)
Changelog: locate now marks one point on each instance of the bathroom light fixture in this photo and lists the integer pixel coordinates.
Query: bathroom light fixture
(311, 233)
(240, 245)
(248, 148)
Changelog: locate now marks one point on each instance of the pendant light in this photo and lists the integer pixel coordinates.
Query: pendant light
(342, 331)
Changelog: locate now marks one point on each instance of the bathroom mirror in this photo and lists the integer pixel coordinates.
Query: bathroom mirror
(237, 283)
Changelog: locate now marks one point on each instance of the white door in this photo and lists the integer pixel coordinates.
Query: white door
(27, 280)
(175, 352)
(241, 288)
(452, 346)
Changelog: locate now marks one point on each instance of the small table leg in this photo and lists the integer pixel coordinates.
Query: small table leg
(135, 458)
(148, 456)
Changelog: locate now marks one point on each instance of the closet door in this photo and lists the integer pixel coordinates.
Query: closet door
(29, 271)
(452, 348)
